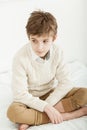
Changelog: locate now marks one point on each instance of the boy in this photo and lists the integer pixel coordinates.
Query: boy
(38, 99)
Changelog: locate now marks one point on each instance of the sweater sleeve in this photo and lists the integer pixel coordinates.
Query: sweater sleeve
(64, 80)
(20, 87)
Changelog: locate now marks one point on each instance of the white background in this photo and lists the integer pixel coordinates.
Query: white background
(72, 20)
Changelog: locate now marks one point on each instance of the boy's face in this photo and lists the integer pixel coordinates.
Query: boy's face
(41, 44)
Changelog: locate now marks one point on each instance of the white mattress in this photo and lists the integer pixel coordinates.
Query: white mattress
(79, 77)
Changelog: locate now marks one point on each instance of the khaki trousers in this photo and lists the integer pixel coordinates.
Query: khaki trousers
(20, 113)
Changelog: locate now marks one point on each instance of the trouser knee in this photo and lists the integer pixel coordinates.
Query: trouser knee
(81, 97)
(11, 113)
(15, 112)
(77, 100)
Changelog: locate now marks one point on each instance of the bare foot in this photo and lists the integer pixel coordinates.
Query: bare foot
(23, 127)
(75, 114)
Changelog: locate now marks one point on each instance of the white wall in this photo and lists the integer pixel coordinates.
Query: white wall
(71, 16)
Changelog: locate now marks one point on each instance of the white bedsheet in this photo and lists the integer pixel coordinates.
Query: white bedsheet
(79, 77)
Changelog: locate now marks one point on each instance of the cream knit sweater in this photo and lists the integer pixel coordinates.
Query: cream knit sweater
(33, 77)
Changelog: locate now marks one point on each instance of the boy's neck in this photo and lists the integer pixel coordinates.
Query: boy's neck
(44, 56)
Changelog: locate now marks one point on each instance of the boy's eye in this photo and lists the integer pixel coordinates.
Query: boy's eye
(45, 41)
(34, 41)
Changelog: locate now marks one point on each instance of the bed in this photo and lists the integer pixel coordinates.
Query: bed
(79, 77)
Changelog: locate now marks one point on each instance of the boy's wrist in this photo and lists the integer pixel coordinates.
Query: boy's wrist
(46, 108)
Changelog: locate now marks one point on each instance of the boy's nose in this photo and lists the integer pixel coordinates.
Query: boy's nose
(40, 46)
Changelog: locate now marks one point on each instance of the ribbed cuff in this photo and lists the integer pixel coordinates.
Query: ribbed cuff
(39, 105)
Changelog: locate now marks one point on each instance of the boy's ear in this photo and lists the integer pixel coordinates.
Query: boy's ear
(54, 38)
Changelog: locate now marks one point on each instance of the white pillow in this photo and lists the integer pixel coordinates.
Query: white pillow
(78, 73)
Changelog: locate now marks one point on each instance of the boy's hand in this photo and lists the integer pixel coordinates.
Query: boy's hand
(53, 114)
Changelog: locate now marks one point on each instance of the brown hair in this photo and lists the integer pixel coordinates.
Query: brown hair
(41, 22)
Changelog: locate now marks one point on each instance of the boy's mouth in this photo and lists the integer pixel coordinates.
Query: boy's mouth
(40, 52)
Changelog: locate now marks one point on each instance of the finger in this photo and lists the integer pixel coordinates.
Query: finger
(56, 120)
(52, 119)
(60, 118)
